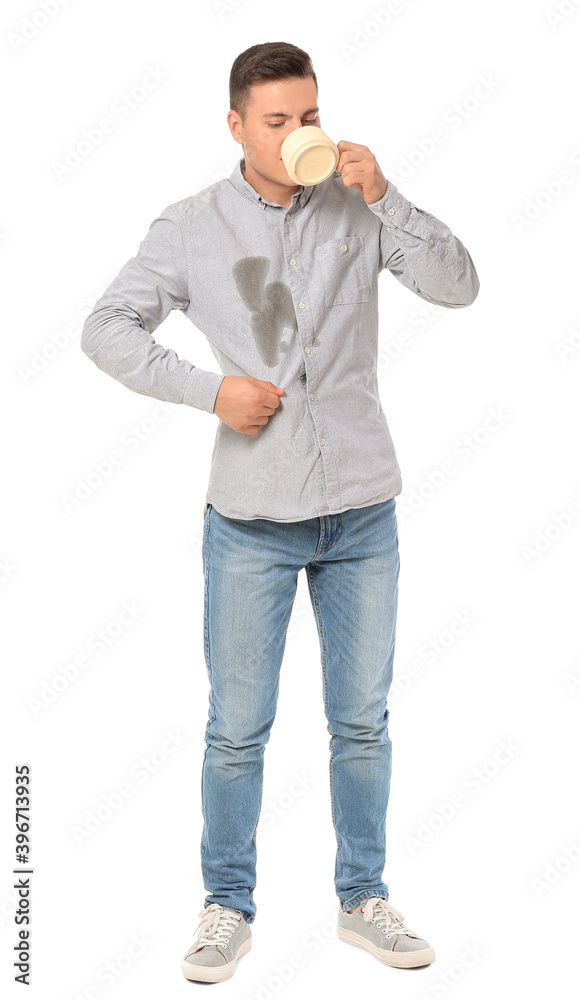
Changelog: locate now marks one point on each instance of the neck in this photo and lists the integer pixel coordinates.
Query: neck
(281, 194)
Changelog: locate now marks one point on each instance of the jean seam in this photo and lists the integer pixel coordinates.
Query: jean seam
(326, 708)
(257, 820)
(206, 652)
(206, 618)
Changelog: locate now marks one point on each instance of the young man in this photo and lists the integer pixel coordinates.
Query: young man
(282, 280)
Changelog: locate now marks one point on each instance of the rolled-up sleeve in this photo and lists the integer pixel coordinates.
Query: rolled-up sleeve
(422, 252)
(117, 335)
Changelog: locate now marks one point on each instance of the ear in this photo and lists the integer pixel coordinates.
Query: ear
(235, 125)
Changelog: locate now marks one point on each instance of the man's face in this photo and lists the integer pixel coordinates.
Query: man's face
(277, 107)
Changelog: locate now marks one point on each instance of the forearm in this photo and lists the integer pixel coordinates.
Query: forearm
(115, 341)
(423, 253)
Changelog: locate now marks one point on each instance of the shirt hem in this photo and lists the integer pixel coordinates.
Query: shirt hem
(382, 498)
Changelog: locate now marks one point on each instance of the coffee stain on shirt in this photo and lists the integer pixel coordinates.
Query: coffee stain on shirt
(271, 307)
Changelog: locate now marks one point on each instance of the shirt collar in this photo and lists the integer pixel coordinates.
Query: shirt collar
(244, 187)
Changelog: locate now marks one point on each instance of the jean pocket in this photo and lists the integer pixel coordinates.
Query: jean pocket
(344, 270)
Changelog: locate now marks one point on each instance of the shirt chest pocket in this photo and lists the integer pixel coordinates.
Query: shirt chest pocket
(343, 267)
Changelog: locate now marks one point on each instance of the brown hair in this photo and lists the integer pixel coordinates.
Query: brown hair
(266, 61)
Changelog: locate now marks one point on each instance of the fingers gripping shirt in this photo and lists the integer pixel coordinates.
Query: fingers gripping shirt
(287, 295)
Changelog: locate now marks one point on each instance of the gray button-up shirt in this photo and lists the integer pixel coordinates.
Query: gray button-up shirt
(287, 295)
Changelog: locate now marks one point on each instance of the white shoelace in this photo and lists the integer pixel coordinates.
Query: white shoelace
(379, 910)
(216, 925)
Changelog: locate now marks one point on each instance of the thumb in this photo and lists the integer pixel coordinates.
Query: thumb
(274, 388)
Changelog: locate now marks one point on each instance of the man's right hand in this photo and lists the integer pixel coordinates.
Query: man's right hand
(245, 403)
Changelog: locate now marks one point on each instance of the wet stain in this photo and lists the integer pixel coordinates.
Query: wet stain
(271, 307)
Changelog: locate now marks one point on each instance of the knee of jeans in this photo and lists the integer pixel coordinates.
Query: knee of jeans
(371, 728)
(241, 740)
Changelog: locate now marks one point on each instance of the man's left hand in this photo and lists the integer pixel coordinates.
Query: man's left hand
(359, 169)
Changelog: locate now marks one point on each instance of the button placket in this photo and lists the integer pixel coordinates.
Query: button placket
(330, 470)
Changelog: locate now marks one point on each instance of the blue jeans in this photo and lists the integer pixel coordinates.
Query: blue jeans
(251, 574)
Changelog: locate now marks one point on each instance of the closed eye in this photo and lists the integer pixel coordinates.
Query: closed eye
(312, 121)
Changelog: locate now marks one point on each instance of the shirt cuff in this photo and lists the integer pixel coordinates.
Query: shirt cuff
(393, 208)
(201, 389)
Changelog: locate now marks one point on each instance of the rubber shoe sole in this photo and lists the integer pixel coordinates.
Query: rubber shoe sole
(217, 974)
(399, 960)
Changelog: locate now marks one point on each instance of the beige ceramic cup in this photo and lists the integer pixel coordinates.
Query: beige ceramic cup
(309, 155)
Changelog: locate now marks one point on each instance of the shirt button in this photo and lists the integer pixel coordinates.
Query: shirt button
(302, 200)
(431, 240)
(301, 305)
(292, 262)
(344, 247)
(322, 441)
(288, 216)
(312, 395)
(307, 350)
(391, 211)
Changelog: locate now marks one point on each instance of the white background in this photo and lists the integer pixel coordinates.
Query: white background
(491, 877)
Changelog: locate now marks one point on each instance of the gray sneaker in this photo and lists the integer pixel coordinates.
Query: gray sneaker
(224, 936)
(378, 927)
